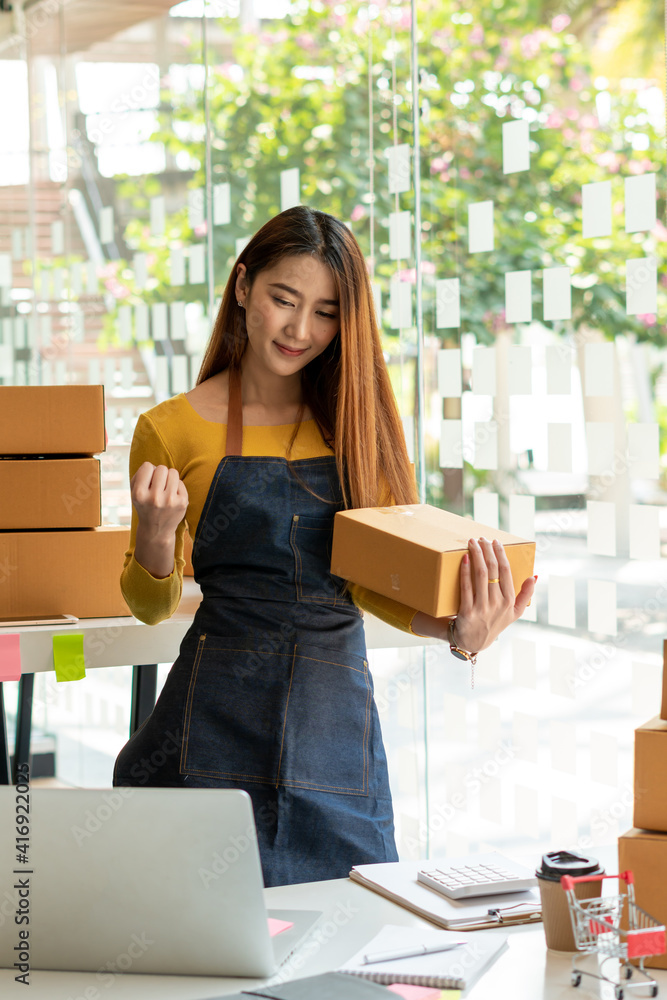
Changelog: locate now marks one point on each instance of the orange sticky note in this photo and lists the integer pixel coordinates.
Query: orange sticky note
(10, 657)
(278, 926)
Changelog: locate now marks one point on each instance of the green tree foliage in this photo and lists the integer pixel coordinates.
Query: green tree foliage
(296, 95)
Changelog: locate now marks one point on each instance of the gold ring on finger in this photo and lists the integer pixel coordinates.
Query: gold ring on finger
(497, 580)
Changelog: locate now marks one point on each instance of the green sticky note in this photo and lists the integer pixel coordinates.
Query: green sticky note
(68, 657)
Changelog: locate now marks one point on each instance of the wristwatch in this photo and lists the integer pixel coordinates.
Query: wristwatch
(455, 650)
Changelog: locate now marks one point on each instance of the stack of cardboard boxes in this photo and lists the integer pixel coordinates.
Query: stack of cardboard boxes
(644, 848)
(56, 557)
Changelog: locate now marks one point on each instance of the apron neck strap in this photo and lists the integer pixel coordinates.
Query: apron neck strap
(234, 414)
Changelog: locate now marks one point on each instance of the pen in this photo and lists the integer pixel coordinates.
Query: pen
(393, 956)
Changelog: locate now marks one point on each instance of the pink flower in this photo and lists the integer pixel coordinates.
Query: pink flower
(530, 45)
(559, 22)
(576, 85)
(437, 164)
(648, 319)
(476, 36)
(464, 174)
(659, 231)
(409, 275)
(558, 59)
(505, 44)
(358, 212)
(555, 120)
(609, 160)
(306, 41)
(501, 64)
(117, 290)
(586, 142)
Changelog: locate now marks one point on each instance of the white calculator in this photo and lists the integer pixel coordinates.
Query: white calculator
(477, 875)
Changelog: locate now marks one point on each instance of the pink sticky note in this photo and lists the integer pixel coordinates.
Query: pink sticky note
(278, 926)
(10, 657)
(414, 992)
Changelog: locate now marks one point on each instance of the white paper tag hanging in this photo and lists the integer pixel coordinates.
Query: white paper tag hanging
(557, 293)
(196, 207)
(400, 303)
(290, 189)
(640, 203)
(641, 287)
(177, 266)
(516, 148)
(596, 209)
(222, 211)
(447, 304)
(106, 224)
(449, 372)
(480, 227)
(157, 215)
(399, 158)
(518, 297)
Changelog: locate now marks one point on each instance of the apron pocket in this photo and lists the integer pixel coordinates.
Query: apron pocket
(311, 538)
(327, 733)
(235, 707)
(279, 713)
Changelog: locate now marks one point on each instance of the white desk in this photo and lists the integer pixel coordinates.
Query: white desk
(352, 915)
(117, 642)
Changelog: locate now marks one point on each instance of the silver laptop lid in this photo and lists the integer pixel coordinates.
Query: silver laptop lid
(154, 880)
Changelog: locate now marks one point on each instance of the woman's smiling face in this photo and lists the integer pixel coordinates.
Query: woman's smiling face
(292, 312)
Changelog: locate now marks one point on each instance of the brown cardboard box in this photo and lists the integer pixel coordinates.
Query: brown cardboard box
(51, 419)
(663, 710)
(651, 776)
(645, 855)
(73, 572)
(413, 553)
(50, 493)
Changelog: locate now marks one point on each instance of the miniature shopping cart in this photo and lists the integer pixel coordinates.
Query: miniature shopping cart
(596, 924)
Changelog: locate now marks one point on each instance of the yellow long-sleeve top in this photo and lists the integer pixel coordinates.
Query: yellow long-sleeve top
(175, 435)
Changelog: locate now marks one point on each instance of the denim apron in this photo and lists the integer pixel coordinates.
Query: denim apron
(271, 690)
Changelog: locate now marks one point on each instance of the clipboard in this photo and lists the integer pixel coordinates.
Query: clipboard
(397, 881)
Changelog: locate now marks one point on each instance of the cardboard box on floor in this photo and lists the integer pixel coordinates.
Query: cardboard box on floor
(663, 709)
(650, 812)
(74, 572)
(50, 493)
(413, 553)
(645, 855)
(51, 419)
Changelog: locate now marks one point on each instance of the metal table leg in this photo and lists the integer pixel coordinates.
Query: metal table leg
(144, 691)
(23, 723)
(4, 746)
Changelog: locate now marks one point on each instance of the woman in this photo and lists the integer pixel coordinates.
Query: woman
(292, 419)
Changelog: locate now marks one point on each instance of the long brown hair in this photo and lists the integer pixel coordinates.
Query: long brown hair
(347, 386)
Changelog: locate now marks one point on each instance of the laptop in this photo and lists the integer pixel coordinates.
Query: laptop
(153, 880)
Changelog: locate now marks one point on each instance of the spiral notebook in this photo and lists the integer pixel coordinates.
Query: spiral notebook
(456, 969)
